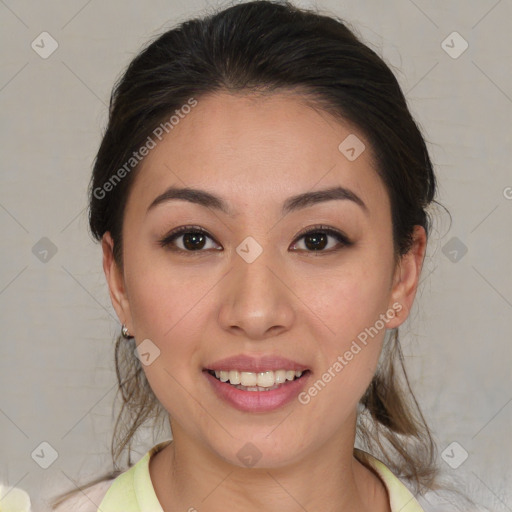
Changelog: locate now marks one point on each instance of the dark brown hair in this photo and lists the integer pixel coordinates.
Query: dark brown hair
(263, 47)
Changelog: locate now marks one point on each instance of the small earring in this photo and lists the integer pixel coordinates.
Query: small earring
(125, 333)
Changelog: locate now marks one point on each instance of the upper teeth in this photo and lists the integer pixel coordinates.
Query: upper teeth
(261, 379)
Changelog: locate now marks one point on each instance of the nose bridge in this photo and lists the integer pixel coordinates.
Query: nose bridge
(254, 276)
(256, 300)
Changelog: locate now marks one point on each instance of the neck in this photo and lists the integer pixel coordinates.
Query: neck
(187, 477)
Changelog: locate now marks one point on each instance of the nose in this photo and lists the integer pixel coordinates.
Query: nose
(256, 301)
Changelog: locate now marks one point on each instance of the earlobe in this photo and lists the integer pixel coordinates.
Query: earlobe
(115, 281)
(406, 277)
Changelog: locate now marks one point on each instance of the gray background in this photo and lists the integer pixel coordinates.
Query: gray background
(56, 360)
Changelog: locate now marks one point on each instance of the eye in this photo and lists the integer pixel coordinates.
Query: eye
(316, 239)
(193, 239)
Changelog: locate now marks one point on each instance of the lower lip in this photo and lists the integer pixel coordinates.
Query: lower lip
(258, 401)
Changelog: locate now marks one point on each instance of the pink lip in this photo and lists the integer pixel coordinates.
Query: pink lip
(244, 363)
(257, 401)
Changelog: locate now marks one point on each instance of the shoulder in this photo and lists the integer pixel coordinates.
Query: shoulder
(87, 500)
(124, 489)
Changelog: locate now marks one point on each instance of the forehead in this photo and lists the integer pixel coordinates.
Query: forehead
(255, 149)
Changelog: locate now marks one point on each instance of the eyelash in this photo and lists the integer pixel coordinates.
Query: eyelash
(176, 233)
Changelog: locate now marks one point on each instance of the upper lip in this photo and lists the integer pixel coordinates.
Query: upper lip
(245, 363)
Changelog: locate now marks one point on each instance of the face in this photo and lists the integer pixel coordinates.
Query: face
(271, 283)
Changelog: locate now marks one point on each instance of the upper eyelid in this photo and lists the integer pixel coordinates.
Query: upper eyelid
(180, 231)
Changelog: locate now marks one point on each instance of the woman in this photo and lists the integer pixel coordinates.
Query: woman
(261, 198)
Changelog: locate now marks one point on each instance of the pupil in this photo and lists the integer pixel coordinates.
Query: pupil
(316, 238)
(190, 239)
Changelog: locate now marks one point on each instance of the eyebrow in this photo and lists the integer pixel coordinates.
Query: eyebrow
(294, 203)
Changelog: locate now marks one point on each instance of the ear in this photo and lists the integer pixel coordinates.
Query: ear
(115, 281)
(406, 278)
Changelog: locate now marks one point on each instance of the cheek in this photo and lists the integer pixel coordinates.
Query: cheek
(161, 296)
(349, 351)
(351, 303)
(169, 307)
(350, 300)
(166, 309)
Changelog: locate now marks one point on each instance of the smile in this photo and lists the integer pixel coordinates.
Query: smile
(280, 387)
(256, 381)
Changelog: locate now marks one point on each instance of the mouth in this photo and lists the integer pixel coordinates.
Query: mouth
(254, 384)
(261, 391)
(257, 381)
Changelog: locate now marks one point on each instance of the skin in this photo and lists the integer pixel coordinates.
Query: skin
(308, 306)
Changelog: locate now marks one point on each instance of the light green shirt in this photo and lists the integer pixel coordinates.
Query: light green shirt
(132, 491)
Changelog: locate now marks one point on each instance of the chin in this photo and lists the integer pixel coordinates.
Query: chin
(260, 451)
